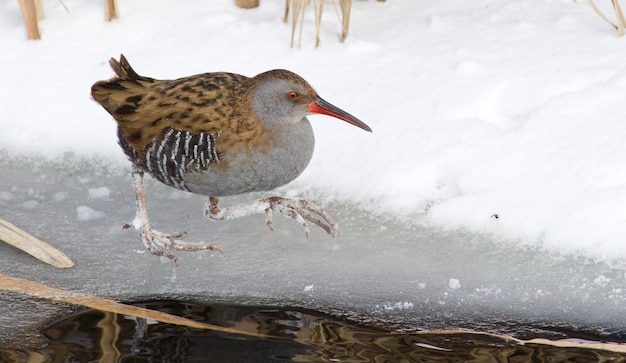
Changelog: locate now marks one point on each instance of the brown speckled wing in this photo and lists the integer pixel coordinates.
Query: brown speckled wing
(209, 103)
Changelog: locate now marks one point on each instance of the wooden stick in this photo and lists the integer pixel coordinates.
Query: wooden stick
(247, 4)
(20, 239)
(110, 9)
(29, 13)
(37, 290)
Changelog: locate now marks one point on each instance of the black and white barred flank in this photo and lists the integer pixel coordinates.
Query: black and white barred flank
(169, 158)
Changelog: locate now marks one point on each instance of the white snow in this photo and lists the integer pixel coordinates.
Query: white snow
(494, 117)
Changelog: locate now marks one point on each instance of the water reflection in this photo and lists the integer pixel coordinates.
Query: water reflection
(298, 336)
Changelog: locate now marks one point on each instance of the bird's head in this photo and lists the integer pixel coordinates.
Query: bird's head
(282, 97)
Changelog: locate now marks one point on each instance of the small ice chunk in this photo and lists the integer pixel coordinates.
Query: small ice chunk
(454, 284)
(402, 305)
(601, 280)
(59, 196)
(30, 204)
(87, 214)
(309, 287)
(6, 196)
(98, 193)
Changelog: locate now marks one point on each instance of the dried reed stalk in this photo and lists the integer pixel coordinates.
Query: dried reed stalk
(247, 4)
(110, 9)
(619, 15)
(346, 5)
(39, 9)
(29, 13)
(297, 7)
(318, 6)
(18, 238)
(37, 290)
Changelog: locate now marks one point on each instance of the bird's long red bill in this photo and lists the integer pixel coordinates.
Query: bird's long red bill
(320, 106)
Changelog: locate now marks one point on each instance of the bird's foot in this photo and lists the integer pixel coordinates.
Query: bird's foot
(299, 210)
(158, 243)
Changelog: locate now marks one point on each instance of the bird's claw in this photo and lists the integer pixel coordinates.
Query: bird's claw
(289, 213)
(301, 211)
(158, 243)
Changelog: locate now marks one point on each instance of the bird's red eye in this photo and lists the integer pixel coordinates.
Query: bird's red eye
(292, 95)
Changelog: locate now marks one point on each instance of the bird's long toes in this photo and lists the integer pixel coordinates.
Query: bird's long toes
(159, 252)
(170, 241)
(168, 235)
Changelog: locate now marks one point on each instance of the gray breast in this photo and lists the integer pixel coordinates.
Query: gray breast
(250, 171)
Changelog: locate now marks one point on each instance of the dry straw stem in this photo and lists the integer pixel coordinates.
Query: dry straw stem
(618, 14)
(298, 6)
(346, 5)
(110, 9)
(610, 347)
(20, 239)
(40, 291)
(31, 15)
(318, 6)
(247, 4)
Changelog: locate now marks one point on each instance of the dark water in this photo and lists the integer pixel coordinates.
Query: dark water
(297, 336)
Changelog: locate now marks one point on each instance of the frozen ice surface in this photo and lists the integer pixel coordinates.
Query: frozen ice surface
(399, 274)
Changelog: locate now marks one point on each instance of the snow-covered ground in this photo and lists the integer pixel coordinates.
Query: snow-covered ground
(480, 108)
(498, 119)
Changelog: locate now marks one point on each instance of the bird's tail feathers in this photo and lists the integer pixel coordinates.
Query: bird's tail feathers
(124, 71)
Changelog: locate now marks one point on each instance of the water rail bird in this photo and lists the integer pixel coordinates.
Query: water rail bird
(217, 134)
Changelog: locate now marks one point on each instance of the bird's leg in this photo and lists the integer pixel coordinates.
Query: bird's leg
(141, 221)
(152, 238)
(297, 209)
